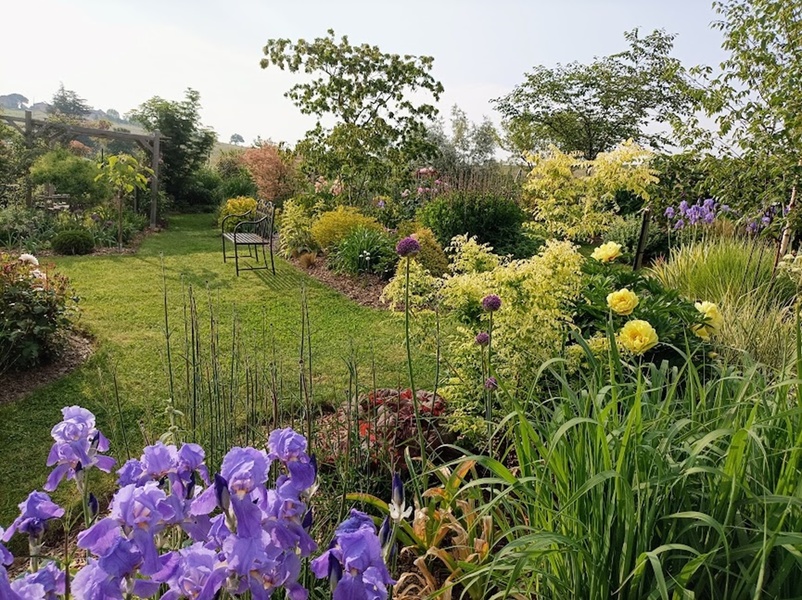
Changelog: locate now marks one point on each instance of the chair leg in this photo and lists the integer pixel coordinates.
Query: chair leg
(236, 259)
(224, 249)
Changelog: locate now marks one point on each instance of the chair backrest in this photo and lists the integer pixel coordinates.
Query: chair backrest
(264, 217)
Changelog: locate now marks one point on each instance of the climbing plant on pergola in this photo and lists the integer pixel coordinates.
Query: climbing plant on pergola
(31, 128)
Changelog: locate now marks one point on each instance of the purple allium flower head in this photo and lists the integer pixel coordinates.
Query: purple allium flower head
(35, 510)
(381, 204)
(407, 246)
(491, 303)
(483, 338)
(491, 383)
(77, 446)
(670, 212)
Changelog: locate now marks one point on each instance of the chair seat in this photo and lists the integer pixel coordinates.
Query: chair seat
(245, 238)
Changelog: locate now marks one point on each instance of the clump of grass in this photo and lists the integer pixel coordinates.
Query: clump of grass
(738, 274)
(650, 482)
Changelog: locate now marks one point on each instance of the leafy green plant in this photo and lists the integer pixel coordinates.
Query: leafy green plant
(649, 483)
(73, 241)
(241, 205)
(364, 250)
(575, 197)
(626, 231)
(34, 312)
(493, 219)
(331, 227)
(295, 230)
(70, 174)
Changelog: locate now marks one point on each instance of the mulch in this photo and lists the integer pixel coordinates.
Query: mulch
(362, 289)
(77, 349)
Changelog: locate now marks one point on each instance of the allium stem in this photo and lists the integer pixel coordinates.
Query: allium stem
(409, 367)
(488, 392)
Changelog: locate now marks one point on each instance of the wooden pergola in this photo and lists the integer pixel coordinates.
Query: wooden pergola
(31, 128)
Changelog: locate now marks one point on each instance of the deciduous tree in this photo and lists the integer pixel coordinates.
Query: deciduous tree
(368, 94)
(589, 108)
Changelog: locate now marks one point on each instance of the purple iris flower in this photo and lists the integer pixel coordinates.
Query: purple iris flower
(52, 580)
(22, 589)
(196, 574)
(35, 511)
(6, 557)
(244, 469)
(133, 471)
(289, 448)
(683, 207)
(159, 460)
(191, 458)
(5, 586)
(670, 212)
(77, 447)
(93, 583)
(709, 204)
(765, 219)
(356, 551)
(679, 224)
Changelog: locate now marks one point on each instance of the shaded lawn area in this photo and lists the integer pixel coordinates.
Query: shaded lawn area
(122, 303)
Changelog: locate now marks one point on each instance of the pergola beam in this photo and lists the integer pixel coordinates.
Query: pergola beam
(149, 142)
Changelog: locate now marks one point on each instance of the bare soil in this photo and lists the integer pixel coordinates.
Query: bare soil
(363, 289)
(77, 349)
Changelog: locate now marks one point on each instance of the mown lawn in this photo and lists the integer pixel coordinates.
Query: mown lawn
(122, 305)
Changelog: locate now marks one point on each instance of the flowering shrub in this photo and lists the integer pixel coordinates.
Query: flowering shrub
(35, 311)
(237, 206)
(171, 526)
(331, 227)
(575, 198)
(616, 296)
(704, 212)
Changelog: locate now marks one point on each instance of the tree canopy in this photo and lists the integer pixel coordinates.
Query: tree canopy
(589, 108)
(372, 98)
(188, 144)
(67, 103)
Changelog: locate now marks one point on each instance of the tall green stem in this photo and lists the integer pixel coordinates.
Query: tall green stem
(415, 406)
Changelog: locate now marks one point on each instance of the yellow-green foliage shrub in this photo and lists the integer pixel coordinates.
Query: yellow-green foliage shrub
(431, 254)
(295, 230)
(537, 297)
(237, 206)
(575, 198)
(331, 227)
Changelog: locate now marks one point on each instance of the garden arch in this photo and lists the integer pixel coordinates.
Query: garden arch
(52, 130)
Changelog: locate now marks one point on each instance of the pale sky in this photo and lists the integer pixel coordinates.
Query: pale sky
(118, 53)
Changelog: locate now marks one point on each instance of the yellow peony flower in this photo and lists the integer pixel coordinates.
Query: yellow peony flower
(713, 320)
(607, 252)
(637, 336)
(622, 302)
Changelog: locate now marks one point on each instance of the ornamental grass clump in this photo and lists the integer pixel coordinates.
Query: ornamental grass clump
(175, 531)
(656, 481)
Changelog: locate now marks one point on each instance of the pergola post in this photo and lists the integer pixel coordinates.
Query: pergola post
(154, 181)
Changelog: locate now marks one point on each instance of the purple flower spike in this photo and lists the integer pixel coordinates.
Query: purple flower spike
(491, 303)
(483, 338)
(407, 246)
(34, 512)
